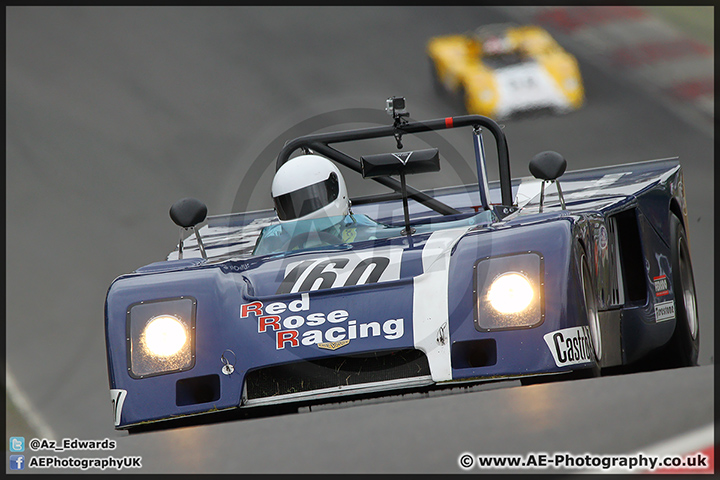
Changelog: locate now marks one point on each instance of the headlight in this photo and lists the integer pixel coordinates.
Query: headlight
(509, 292)
(164, 336)
(161, 336)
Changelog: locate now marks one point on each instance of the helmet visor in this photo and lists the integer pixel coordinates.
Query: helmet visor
(306, 200)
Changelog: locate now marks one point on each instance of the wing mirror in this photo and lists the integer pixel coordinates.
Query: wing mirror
(548, 166)
(186, 214)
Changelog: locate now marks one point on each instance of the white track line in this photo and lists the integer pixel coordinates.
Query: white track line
(682, 445)
(685, 444)
(21, 402)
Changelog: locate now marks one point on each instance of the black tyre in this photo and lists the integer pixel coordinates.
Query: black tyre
(682, 349)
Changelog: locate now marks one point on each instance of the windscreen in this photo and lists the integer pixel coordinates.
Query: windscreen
(316, 233)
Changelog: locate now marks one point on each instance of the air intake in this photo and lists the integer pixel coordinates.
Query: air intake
(336, 371)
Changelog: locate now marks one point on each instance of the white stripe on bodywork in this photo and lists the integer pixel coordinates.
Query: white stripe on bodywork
(430, 302)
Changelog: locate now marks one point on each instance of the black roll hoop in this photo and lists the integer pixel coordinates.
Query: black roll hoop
(320, 143)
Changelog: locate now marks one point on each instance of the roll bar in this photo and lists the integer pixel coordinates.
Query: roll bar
(320, 143)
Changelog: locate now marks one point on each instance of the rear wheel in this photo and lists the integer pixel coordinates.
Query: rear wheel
(682, 349)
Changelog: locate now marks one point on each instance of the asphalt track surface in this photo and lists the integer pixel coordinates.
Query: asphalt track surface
(115, 113)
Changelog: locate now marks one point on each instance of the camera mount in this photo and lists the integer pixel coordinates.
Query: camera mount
(395, 107)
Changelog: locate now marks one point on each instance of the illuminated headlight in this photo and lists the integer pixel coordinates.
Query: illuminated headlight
(161, 336)
(508, 292)
(164, 336)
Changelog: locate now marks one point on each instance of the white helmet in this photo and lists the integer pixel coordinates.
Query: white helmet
(309, 187)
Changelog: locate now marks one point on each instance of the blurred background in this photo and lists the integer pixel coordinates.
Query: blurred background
(114, 113)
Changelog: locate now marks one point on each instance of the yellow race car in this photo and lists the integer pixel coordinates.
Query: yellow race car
(501, 70)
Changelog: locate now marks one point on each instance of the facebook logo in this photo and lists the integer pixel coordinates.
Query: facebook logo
(17, 444)
(17, 462)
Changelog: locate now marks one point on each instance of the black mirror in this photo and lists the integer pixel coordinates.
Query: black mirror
(188, 212)
(408, 163)
(547, 165)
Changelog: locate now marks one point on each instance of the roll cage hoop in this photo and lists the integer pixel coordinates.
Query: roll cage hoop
(320, 143)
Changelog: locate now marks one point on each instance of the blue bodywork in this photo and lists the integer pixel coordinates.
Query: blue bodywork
(410, 293)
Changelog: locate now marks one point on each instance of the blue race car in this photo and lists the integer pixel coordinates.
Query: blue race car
(545, 277)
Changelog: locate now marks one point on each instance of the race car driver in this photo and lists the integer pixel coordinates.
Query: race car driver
(313, 206)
